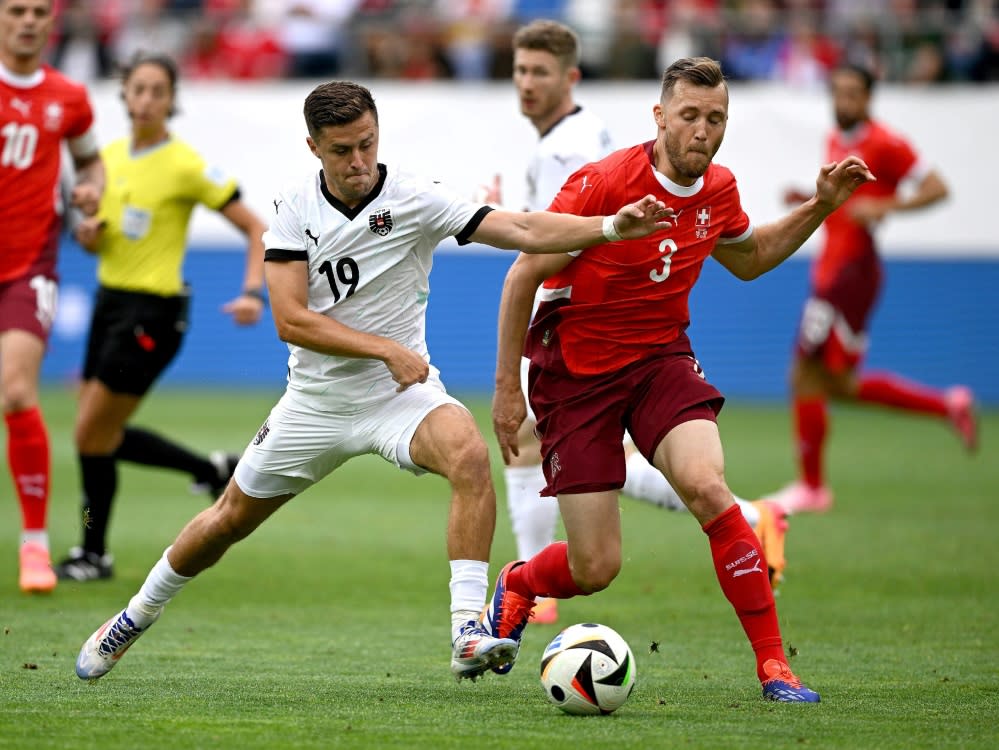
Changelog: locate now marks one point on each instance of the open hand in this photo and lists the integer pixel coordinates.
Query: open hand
(838, 180)
(643, 217)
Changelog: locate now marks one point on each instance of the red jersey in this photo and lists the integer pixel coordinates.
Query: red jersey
(617, 302)
(37, 113)
(891, 159)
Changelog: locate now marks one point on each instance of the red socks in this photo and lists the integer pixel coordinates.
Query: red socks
(742, 573)
(545, 574)
(811, 424)
(28, 456)
(888, 389)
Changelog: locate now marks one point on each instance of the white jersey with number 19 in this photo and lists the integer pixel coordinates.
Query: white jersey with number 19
(369, 269)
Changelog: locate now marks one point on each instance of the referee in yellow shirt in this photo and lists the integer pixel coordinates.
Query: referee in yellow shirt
(154, 181)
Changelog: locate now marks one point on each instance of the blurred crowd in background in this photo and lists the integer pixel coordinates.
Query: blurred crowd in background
(792, 41)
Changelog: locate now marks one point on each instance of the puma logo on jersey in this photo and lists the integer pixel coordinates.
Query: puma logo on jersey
(21, 106)
(311, 236)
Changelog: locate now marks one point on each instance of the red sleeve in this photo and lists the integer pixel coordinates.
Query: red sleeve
(736, 220)
(82, 116)
(899, 158)
(583, 194)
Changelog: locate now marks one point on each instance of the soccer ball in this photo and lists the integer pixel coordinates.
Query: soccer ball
(588, 669)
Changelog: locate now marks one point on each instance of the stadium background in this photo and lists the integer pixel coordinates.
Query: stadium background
(938, 320)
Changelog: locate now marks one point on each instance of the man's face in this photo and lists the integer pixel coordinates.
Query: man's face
(851, 98)
(349, 155)
(543, 85)
(691, 128)
(25, 26)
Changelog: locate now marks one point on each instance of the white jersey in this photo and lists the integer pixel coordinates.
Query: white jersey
(369, 269)
(577, 139)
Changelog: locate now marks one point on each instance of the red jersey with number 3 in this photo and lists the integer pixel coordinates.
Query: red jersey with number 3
(37, 113)
(891, 159)
(617, 302)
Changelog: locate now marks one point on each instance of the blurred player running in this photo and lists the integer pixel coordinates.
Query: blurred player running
(846, 281)
(40, 109)
(140, 317)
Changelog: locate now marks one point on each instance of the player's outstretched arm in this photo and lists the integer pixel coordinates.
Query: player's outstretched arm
(867, 210)
(516, 303)
(549, 232)
(770, 245)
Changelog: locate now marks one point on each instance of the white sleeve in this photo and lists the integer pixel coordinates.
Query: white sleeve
(285, 230)
(446, 214)
(83, 146)
(552, 174)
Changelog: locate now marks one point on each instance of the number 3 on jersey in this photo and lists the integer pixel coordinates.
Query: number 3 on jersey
(346, 273)
(669, 247)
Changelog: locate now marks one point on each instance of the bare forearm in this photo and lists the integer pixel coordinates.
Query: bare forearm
(515, 308)
(91, 173)
(931, 190)
(253, 277)
(546, 232)
(318, 333)
(780, 239)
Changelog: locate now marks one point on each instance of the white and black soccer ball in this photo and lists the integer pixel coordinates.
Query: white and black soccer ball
(588, 669)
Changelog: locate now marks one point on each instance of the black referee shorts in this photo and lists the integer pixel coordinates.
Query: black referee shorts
(133, 337)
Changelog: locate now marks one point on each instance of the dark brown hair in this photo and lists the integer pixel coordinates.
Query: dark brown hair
(699, 71)
(337, 103)
(164, 62)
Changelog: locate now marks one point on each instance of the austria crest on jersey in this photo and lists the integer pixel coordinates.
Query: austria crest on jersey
(380, 222)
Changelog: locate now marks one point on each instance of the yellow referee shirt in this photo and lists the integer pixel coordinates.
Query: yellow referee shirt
(146, 209)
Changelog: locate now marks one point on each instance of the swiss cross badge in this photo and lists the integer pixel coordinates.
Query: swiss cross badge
(702, 220)
(380, 222)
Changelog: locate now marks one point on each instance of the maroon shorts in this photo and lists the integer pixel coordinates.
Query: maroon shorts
(836, 316)
(28, 302)
(582, 421)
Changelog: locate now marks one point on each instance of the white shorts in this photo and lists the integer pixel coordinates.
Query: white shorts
(297, 445)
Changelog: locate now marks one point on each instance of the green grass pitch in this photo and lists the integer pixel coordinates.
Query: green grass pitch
(329, 626)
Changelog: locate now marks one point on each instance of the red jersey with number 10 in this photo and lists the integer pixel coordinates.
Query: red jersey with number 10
(616, 303)
(891, 159)
(37, 113)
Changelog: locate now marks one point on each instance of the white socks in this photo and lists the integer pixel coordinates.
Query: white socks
(643, 481)
(36, 536)
(532, 517)
(161, 585)
(469, 583)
